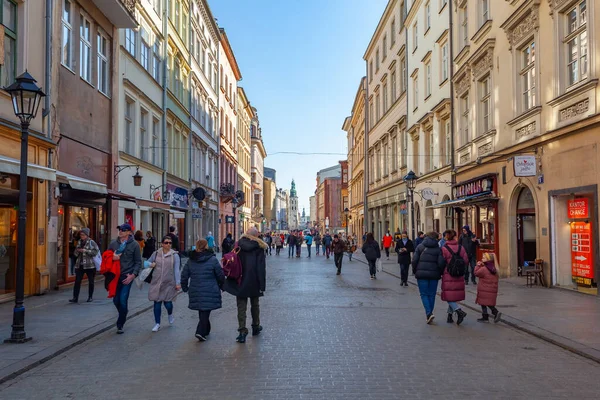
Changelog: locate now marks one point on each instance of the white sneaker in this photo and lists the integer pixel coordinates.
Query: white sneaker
(171, 319)
(156, 328)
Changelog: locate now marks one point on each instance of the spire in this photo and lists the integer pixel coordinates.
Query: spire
(293, 191)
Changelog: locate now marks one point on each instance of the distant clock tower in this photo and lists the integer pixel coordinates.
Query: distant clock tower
(293, 222)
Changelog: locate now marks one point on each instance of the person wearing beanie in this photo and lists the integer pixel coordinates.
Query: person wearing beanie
(85, 252)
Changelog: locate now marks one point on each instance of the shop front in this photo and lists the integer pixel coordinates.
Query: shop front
(179, 202)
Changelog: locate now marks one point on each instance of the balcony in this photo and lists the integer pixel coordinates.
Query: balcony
(121, 13)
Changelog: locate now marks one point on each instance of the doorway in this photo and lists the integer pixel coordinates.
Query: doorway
(8, 249)
(526, 227)
(71, 219)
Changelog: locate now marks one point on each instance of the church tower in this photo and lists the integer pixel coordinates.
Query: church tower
(293, 222)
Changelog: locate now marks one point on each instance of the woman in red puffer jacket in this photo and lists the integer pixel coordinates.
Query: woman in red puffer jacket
(453, 287)
(487, 289)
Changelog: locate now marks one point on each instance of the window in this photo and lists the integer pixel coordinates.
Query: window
(144, 134)
(371, 71)
(9, 22)
(464, 106)
(371, 115)
(193, 44)
(177, 21)
(464, 27)
(448, 142)
(415, 92)
(67, 33)
(156, 6)
(156, 61)
(415, 36)
(576, 41)
(427, 80)
(485, 11)
(485, 103)
(129, 106)
(444, 61)
(384, 47)
(394, 153)
(402, 12)
(431, 155)
(130, 41)
(184, 25)
(203, 59)
(393, 34)
(103, 75)
(402, 74)
(377, 61)
(527, 74)
(393, 83)
(404, 148)
(427, 16)
(155, 141)
(85, 49)
(145, 52)
(385, 97)
(384, 158)
(378, 107)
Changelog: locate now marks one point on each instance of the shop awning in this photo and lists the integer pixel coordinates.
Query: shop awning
(152, 205)
(78, 183)
(483, 196)
(177, 214)
(12, 166)
(446, 203)
(113, 194)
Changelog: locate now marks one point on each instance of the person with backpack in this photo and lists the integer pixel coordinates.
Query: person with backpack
(487, 289)
(327, 240)
(227, 244)
(387, 243)
(251, 284)
(453, 283)
(428, 265)
(372, 253)
(85, 252)
(404, 246)
(469, 242)
(202, 278)
(309, 241)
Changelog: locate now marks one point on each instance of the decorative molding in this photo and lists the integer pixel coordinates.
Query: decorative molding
(465, 158)
(526, 130)
(522, 23)
(462, 85)
(484, 64)
(485, 149)
(574, 110)
(556, 5)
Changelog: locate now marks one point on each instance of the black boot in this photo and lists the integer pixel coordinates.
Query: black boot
(450, 320)
(497, 316)
(461, 316)
(484, 318)
(256, 330)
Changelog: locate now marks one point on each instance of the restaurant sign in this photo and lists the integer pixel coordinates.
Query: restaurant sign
(178, 196)
(473, 187)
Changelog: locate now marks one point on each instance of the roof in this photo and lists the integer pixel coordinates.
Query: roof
(230, 56)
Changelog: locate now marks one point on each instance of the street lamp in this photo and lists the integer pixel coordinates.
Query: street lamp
(26, 98)
(411, 183)
(346, 212)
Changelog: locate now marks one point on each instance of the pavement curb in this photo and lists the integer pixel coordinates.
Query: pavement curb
(19, 368)
(547, 336)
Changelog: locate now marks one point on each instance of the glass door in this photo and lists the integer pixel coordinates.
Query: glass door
(8, 249)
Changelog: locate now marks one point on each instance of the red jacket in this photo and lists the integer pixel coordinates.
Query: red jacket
(387, 241)
(453, 288)
(112, 271)
(487, 288)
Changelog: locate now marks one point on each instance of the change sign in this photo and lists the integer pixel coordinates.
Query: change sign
(578, 208)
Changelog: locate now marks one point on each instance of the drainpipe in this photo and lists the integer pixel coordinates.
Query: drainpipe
(452, 114)
(164, 99)
(48, 72)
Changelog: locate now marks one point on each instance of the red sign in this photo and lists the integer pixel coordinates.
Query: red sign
(582, 247)
(578, 208)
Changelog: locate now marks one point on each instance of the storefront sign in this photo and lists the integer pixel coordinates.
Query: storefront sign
(525, 166)
(178, 197)
(229, 219)
(196, 214)
(578, 208)
(582, 245)
(427, 193)
(473, 187)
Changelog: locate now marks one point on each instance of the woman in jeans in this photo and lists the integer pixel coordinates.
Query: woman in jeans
(428, 265)
(166, 280)
(372, 252)
(84, 254)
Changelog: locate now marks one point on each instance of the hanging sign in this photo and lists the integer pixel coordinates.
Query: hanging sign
(427, 193)
(582, 262)
(178, 196)
(578, 208)
(525, 166)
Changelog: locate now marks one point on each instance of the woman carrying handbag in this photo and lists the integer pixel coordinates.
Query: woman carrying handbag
(85, 252)
(165, 280)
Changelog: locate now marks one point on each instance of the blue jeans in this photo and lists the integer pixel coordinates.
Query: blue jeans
(291, 249)
(309, 247)
(157, 309)
(471, 267)
(452, 307)
(120, 300)
(428, 289)
(318, 247)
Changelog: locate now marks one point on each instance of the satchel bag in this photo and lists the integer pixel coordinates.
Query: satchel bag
(232, 266)
(98, 261)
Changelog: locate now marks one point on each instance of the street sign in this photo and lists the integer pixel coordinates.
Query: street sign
(196, 214)
(403, 211)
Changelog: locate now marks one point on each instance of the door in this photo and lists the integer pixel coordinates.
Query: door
(8, 249)
(71, 219)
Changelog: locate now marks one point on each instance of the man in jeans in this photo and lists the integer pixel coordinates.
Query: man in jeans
(127, 251)
(254, 273)
(291, 242)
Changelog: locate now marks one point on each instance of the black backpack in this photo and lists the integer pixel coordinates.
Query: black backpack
(457, 266)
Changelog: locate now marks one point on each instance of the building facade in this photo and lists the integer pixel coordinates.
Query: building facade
(324, 198)
(258, 154)
(313, 210)
(269, 206)
(244, 119)
(525, 95)
(283, 201)
(387, 140)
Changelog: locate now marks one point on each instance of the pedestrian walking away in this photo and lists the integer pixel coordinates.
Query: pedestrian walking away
(291, 242)
(85, 252)
(404, 246)
(387, 243)
(150, 246)
(317, 240)
(372, 253)
(350, 247)
(139, 238)
(453, 282)
(166, 280)
(469, 242)
(127, 252)
(211, 241)
(268, 239)
(278, 244)
(327, 240)
(202, 278)
(299, 242)
(487, 289)
(309, 241)
(174, 238)
(227, 244)
(338, 248)
(428, 265)
(252, 286)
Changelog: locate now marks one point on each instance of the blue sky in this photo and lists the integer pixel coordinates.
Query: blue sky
(301, 62)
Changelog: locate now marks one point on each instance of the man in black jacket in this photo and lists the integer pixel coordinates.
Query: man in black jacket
(469, 242)
(127, 252)
(254, 274)
(404, 246)
(291, 242)
(428, 265)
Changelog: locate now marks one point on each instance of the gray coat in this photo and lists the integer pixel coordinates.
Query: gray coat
(202, 279)
(131, 259)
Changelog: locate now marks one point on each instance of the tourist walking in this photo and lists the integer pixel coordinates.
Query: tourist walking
(487, 289)
(150, 246)
(252, 285)
(299, 241)
(387, 243)
(227, 244)
(309, 241)
(317, 240)
(139, 238)
(210, 239)
(166, 280)
(453, 282)
(85, 251)
(419, 239)
(428, 265)
(404, 246)
(268, 239)
(372, 252)
(338, 247)
(469, 242)
(127, 252)
(350, 247)
(202, 278)
(174, 238)
(278, 244)
(327, 240)
(291, 242)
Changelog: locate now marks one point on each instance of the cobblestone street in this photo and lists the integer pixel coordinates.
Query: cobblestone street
(325, 337)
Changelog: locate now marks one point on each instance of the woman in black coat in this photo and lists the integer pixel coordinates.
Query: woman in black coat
(227, 244)
(372, 252)
(404, 246)
(203, 278)
(149, 246)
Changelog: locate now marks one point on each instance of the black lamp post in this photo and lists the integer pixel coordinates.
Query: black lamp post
(411, 183)
(26, 98)
(346, 213)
